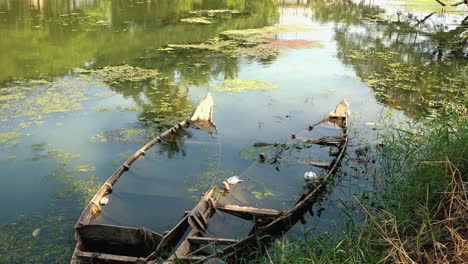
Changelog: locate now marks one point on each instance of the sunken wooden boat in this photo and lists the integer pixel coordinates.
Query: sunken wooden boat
(188, 241)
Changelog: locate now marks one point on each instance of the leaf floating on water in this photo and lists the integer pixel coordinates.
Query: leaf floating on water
(36, 232)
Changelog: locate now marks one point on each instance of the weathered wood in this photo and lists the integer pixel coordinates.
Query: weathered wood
(85, 257)
(117, 240)
(248, 213)
(203, 207)
(203, 116)
(319, 164)
(194, 247)
(264, 231)
(328, 141)
(212, 240)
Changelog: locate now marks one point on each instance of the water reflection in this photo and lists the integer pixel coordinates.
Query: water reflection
(412, 61)
(423, 57)
(52, 37)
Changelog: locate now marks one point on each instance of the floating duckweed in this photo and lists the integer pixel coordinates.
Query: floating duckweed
(4, 137)
(39, 146)
(244, 85)
(118, 136)
(121, 73)
(34, 99)
(54, 244)
(9, 140)
(393, 77)
(206, 17)
(60, 154)
(266, 192)
(216, 12)
(197, 20)
(84, 168)
(254, 43)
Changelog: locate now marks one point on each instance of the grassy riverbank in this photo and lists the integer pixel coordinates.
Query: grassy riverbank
(418, 211)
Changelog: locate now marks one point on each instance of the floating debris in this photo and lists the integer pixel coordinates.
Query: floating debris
(311, 176)
(197, 20)
(104, 201)
(36, 232)
(234, 180)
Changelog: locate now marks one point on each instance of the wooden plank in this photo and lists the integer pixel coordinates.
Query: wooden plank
(319, 164)
(203, 116)
(207, 211)
(341, 110)
(91, 257)
(248, 213)
(121, 236)
(265, 230)
(212, 240)
(175, 235)
(333, 141)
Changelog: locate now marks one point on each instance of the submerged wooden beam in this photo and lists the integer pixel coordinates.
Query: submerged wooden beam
(319, 164)
(248, 213)
(333, 141)
(212, 240)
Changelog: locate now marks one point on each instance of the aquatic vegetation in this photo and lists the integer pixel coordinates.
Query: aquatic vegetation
(35, 99)
(208, 16)
(232, 86)
(216, 12)
(119, 136)
(9, 139)
(120, 74)
(84, 168)
(197, 20)
(39, 146)
(58, 154)
(259, 43)
(429, 86)
(122, 157)
(285, 44)
(200, 182)
(265, 193)
(54, 242)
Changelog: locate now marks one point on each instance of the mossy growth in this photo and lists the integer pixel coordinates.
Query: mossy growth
(265, 193)
(119, 136)
(9, 139)
(34, 99)
(252, 43)
(429, 86)
(54, 243)
(196, 20)
(232, 86)
(120, 74)
(210, 16)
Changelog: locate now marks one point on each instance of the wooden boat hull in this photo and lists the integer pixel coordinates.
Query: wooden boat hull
(187, 242)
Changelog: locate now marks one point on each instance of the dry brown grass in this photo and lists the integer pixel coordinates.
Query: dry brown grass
(440, 239)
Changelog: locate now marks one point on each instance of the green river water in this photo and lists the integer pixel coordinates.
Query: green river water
(84, 83)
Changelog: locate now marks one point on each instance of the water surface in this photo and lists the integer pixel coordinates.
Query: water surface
(64, 130)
